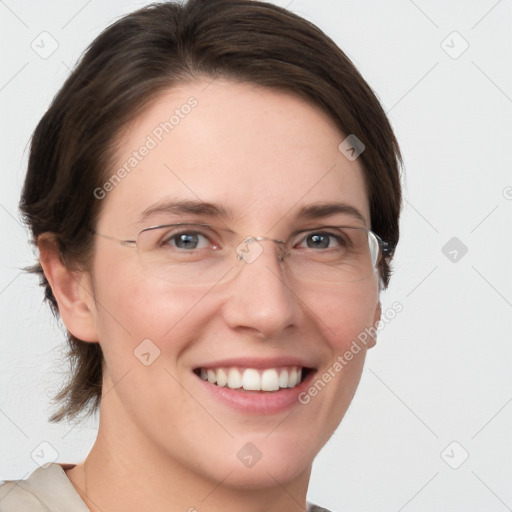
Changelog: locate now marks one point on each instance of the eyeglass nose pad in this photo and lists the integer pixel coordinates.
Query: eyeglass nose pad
(250, 248)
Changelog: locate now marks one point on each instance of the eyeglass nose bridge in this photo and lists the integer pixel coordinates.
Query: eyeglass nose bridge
(249, 253)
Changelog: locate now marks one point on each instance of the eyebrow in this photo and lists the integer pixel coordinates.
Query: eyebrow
(196, 207)
(191, 207)
(321, 210)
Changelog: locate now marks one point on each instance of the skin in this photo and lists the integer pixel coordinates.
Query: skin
(163, 443)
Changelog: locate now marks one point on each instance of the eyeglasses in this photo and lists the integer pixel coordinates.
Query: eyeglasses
(203, 254)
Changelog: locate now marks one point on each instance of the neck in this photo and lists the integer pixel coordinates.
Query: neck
(123, 472)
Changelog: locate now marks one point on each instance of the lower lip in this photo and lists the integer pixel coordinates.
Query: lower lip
(258, 402)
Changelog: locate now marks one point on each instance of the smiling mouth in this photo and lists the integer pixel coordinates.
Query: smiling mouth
(252, 379)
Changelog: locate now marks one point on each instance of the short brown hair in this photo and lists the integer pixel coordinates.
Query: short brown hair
(149, 51)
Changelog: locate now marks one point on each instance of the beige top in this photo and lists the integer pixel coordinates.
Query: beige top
(48, 489)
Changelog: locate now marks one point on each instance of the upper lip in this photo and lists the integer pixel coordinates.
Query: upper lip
(258, 362)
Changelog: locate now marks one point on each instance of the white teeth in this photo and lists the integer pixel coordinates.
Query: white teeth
(294, 377)
(283, 379)
(251, 379)
(222, 377)
(269, 380)
(234, 379)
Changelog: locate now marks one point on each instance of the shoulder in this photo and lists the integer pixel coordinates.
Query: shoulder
(47, 489)
(316, 508)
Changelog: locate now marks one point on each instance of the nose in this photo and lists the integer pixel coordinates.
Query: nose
(261, 299)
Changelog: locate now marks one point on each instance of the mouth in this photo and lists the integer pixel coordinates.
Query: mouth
(263, 380)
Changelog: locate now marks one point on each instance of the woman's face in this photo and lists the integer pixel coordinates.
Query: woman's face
(261, 157)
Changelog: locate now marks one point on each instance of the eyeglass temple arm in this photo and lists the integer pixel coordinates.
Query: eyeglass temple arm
(388, 248)
(122, 242)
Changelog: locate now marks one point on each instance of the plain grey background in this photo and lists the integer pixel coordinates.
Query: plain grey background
(429, 428)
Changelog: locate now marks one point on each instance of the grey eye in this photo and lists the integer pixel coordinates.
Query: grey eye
(186, 240)
(321, 240)
(318, 241)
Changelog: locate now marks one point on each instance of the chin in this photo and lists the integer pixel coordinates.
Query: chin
(265, 460)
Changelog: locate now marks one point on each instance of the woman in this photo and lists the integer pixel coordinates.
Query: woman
(215, 197)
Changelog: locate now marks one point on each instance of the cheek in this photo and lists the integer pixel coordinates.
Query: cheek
(345, 313)
(132, 309)
(341, 315)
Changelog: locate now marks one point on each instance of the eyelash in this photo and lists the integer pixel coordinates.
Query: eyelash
(174, 236)
(338, 238)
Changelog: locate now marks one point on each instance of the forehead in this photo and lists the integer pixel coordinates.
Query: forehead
(262, 154)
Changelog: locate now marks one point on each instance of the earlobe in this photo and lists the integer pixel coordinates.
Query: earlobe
(376, 318)
(71, 289)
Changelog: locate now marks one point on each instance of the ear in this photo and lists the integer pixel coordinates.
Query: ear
(376, 317)
(72, 290)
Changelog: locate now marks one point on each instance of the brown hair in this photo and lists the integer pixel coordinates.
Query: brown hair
(149, 51)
